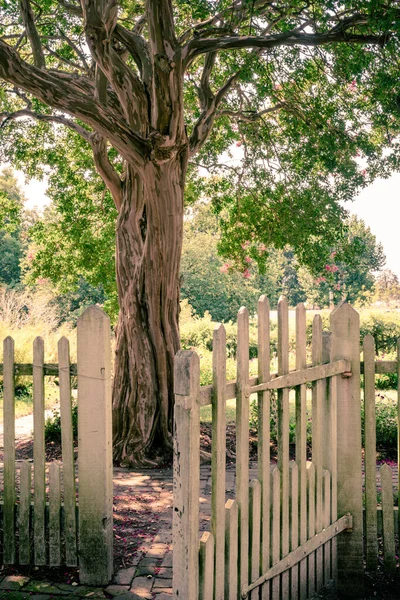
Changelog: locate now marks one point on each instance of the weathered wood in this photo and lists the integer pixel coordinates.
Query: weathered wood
(292, 379)
(326, 521)
(389, 552)
(370, 453)
(95, 447)
(264, 434)
(242, 443)
(382, 367)
(283, 433)
(54, 515)
(185, 525)
(328, 449)
(255, 533)
(67, 445)
(317, 400)
(24, 513)
(39, 452)
(343, 524)
(311, 525)
(275, 530)
(231, 550)
(301, 440)
(49, 369)
(219, 457)
(206, 567)
(345, 329)
(305, 375)
(294, 526)
(9, 452)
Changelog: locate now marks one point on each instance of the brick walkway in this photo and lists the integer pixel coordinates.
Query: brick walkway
(150, 577)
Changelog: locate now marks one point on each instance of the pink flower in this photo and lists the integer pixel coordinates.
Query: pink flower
(328, 267)
(247, 259)
(245, 245)
(225, 268)
(320, 280)
(352, 86)
(363, 172)
(262, 248)
(333, 254)
(246, 274)
(238, 144)
(334, 268)
(337, 286)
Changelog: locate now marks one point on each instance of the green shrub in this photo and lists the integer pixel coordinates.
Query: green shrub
(386, 423)
(52, 427)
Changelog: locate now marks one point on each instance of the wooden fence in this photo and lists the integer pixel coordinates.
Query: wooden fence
(59, 520)
(277, 538)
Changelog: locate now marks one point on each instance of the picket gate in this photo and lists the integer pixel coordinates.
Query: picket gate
(283, 534)
(60, 516)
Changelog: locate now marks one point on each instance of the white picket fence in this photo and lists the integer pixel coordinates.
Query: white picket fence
(64, 517)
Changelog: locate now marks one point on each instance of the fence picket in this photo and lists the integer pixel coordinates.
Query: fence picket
(242, 443)
(231, 550)
(283, 431)
(317, 399)
(294, 525)
(95, 447)
(389, 553)
(24, 513)
(264, 435)
(67, 444)
(9, 451)
(206, 567)
(219, 457)
(301, 439)
(311, 526)
(276, 530)
(255, 534)
(39, 453)
(370, 454)
(54, 515)
(326, 478)
(185, 524)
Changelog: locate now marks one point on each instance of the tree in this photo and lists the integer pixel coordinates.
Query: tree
(387, 288)
(350, 272)
(151, 84)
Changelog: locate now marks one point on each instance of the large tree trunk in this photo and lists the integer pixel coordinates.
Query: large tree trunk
(149, 243)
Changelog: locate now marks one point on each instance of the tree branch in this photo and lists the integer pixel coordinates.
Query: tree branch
(26, 112)
(28, 20)
(105, 169)
(290, 38)
(203, 126)
(99, 27)
(250, 116)
(66, 93)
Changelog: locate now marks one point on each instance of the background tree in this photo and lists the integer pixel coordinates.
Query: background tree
(150, 85)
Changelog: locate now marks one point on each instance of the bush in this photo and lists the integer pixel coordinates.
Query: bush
(52, 427)
(386, 424)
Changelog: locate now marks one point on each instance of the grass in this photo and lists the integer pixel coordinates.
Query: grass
(24, 399)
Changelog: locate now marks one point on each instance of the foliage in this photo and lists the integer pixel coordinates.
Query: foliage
(52, 427)
(387, 289)
(386, 423)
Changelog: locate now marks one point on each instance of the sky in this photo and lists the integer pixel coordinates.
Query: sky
(378, 205)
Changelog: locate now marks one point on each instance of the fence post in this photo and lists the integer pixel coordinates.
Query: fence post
(95, 448)
(345, 344)
(185, 525)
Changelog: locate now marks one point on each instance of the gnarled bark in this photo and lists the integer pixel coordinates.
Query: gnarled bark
(149, 244)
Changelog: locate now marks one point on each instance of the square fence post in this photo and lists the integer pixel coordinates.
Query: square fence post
(345, 344)
(95, 448)
(185, 526)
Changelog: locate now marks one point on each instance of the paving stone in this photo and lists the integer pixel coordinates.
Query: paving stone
(125, 576)
(18, 595)
(89, 592)
(116, 590)
(41, 587)
(163, 596)
(162, 583)
(13, 582)
(142, 585)
(167, 560)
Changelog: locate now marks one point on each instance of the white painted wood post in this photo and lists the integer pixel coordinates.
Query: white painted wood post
(345, 344)
(95, 448)
(185, 525)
